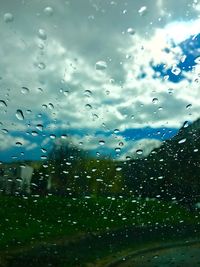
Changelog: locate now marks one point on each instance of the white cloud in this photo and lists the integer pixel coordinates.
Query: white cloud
(141, 148)
(77, 36)
(7, 141)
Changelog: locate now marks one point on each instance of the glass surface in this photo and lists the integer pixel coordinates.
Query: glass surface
(99, 133)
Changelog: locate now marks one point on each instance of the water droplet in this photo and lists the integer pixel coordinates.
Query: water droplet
(102, 142)
(197, 60)
(117, 149)
(101, 65)
(34, 133)
(88, 106)
(43, 157)
(118, 168)
(185, 124)
(40, 90)
(188, 106)
(182, 141)
(3, 104)
(29, 111)
(24, 90)
(95, 116)
(52, 136)
(170, 91)
(8, 17)
(121, 143)
(183, 58)
(128, 158)
(40, 127)
(88, 93)
(48, 11)
(5, 131)
(139, 151)
(18, 144)
(43, 150)
(116, 131)
(175, 70)
(41, 66)
(142, 11)
(51, 106)
(66, 93)
(155, 100)
(131, 31)
(44, 106)
(63, 136)
(42, 34)
(19, 115)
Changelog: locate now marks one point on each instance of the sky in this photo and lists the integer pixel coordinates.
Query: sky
(111, 77)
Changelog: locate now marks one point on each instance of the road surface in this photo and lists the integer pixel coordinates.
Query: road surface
(183, 256)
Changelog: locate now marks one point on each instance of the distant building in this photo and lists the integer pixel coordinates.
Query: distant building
(15, 179)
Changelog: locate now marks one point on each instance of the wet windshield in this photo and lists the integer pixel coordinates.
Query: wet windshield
(99, 133)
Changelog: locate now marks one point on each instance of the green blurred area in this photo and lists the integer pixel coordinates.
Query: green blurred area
(28, 220)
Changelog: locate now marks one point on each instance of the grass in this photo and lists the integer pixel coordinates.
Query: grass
(33, 219)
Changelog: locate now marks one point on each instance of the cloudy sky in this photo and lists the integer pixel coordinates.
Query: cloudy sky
(113, 76)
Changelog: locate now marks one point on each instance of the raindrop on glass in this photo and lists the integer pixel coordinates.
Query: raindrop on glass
(48, 11)
(40, 127)
(66, 93)
(34, 133)
(43, 157)
(118, 168)
(87, 93)
(121, 143)
(29, 111)
(131, 31)
(40, 90)
(185, 124)
(139, 151)
(41, 66)
(5, 131)
(188, 106)
(175, 70)
(142, 11)
(51, 106)
(19, 115)
(8, 17)
(182, 141)
(44, 106)
(102, 142)
(43, 150)
(52, 136)
(88, 106)
(116, 131)
(197, 60)
(155, 100)
(18, 144)
(3, 104)
(170, 91)
(42, 34)
(101, 65)
(24, 90)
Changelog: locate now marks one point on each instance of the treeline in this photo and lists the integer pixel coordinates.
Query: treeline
(171, 172)
(73, 172)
